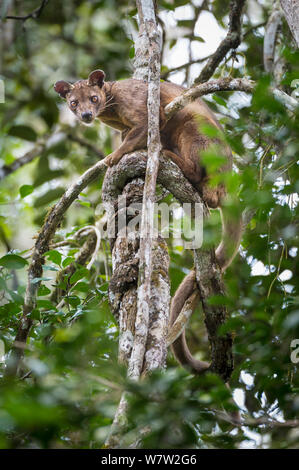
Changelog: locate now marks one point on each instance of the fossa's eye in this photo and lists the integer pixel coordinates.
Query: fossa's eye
(74, 104)
(94, 99)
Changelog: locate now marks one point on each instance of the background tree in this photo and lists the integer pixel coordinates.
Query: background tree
(74, 335)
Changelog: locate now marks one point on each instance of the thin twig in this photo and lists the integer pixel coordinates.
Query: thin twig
(254, 422)
(231, 41)
(34, 14)
(165, 74)
(277, 270)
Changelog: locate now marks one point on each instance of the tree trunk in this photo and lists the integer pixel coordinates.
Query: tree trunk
(291, 13)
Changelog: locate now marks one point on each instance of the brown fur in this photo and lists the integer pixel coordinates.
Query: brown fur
(123, 106)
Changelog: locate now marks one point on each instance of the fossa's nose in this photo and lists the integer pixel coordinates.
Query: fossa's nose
(86, 116)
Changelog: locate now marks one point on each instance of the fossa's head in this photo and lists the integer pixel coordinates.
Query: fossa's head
(86, 98)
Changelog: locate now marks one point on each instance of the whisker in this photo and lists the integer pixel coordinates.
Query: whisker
(109, 105)
(110, 99)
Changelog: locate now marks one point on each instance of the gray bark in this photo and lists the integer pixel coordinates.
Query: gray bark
(143, 333)
(123, 284)
(291, 13)
(150, 37)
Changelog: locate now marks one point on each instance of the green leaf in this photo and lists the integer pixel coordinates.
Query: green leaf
(43, 290)
(185, 23)
(35, 314)
(50, 267)
(49, 196)
(62, 285)
(12, 261)
(198, 38)
(80, 274)
(23, 132)
(2, 284)
(73, 300)
(44, 303)
(54, 256)
(219, 100)
(168, 6)
(132, 52)
(11, 308)
(82, 287)
(16, 297)
(38, 279)
(64, 335)
(210, 131)
(25, 190)
(67, 261)
(84, 203)
(172, 43)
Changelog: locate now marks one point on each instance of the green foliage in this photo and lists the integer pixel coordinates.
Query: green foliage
(70, 382)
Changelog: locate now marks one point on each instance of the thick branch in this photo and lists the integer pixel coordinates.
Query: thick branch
(123, 283)
(270, 38)
(291, 13)
(224, 84)
(285, 99)
(41, 246)
(82, 257)
(147, 21)
(122, 287)
(232, 41)
(169, 175)
(208, 276)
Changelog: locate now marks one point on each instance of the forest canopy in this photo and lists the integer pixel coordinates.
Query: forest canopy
(69, 381)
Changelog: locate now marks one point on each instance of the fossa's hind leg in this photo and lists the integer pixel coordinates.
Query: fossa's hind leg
(180, 162)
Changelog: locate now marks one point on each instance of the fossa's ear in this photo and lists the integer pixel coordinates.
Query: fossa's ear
(96, 78)
(62, 88)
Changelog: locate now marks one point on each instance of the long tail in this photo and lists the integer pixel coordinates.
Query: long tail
(226, 251)
(179, 347)
(232, 228)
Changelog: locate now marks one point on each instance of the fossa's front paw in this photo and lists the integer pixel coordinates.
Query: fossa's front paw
(112, 159)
